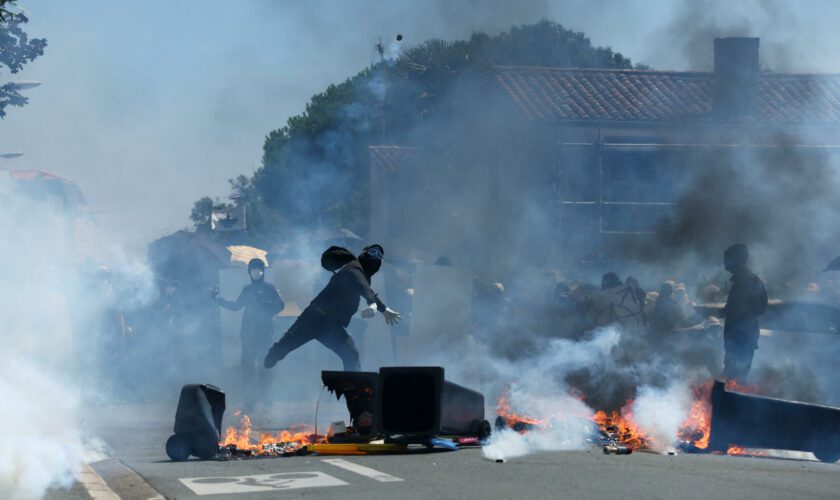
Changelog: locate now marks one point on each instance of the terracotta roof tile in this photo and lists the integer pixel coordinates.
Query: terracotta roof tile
(391, 158)
(556, 94)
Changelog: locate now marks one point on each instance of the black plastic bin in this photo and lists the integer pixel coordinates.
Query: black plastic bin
(418, 401)
(753, 421)
(198, 423)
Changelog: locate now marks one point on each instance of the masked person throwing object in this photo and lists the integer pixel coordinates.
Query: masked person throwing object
(327, 316)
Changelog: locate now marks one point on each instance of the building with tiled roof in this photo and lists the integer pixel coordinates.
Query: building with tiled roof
(561, 94)
(606, 153)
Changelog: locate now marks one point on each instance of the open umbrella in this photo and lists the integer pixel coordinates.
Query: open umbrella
(188, 257)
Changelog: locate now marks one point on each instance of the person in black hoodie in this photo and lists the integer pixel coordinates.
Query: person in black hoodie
(747, 301)
(261, 302)
(327, 316)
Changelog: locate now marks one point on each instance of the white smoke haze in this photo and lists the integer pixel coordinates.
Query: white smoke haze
(564, 434)
(47, 344)
(661, 412)
(41, 444)
(51, 339)
(538, 390)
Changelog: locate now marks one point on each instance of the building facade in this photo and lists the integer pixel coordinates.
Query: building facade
(577, 164)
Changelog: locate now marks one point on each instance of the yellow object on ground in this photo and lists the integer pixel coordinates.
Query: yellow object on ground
(355, 448)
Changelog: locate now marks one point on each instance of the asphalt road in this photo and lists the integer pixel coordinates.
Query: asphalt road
(136, 434)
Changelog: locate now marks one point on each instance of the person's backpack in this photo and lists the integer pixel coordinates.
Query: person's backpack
(334, 258)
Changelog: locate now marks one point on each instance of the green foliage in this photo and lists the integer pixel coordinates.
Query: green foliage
(202, 210)
(315, 168)
(16, 49)
(4, 9)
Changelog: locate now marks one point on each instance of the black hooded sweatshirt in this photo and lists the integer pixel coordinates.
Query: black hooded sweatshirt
(261, 302)
(339, 300)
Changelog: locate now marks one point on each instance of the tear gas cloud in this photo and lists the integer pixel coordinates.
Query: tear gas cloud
(135, 113)
(52, 344)
(783, 203)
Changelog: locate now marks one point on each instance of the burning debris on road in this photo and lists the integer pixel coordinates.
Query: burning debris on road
(616, 431)
(239, 442)
(389, 410)
(723, 418)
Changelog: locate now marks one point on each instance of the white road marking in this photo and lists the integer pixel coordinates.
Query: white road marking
(362, 470)
(263, 482)
(95, 485)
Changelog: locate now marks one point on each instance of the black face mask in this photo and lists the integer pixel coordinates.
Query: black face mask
(370, 264)
(260, 274)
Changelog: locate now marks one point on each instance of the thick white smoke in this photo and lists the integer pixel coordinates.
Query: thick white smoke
(50, 338)
(538, 390)
(568, 428)
(41, 445)
(661, 412)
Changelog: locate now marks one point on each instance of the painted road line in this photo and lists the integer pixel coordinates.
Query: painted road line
(362, 470)
(237, 485)
(123, 481)
(95, 485)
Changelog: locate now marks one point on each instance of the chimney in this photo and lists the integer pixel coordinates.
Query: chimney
(736, 78)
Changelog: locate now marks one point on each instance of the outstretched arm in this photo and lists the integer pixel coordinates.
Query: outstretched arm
(361, 284)
(231, 305)
(374, 304)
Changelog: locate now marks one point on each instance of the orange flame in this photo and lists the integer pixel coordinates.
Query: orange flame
(504, 410)
(697, 426)
(621, 424)
(242, 437)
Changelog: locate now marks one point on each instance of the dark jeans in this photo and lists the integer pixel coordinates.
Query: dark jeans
(312, 325)
(253, 349)
(737, 359)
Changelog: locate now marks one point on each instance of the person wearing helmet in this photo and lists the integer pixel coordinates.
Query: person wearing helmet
(261, 302)
(327, 316)
(747, 300)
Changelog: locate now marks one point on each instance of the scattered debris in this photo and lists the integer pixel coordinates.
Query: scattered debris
(617, 449)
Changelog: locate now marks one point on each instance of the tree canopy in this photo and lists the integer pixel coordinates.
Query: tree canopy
(16, 49)
(314, 169)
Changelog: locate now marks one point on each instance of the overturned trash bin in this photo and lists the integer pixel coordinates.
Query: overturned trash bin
(416, 402)
(359, 391)
(198, 423)
(753, 421)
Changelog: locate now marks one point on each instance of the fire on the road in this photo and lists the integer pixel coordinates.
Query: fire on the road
(617, 423)
(283, 442)
(695, 430)
(621, 424)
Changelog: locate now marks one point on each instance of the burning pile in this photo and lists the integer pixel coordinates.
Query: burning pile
(694, 432)
(614, 429)
(508, 419)
(618, 431)
(239, 442)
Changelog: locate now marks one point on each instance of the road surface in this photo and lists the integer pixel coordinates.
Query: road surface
(139, 469)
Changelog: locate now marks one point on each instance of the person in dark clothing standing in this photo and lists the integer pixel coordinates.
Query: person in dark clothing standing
(327, 316)
(261, 302)
(666, 316)
(747, 300)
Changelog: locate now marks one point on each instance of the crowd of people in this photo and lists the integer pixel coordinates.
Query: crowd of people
(178, 334)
